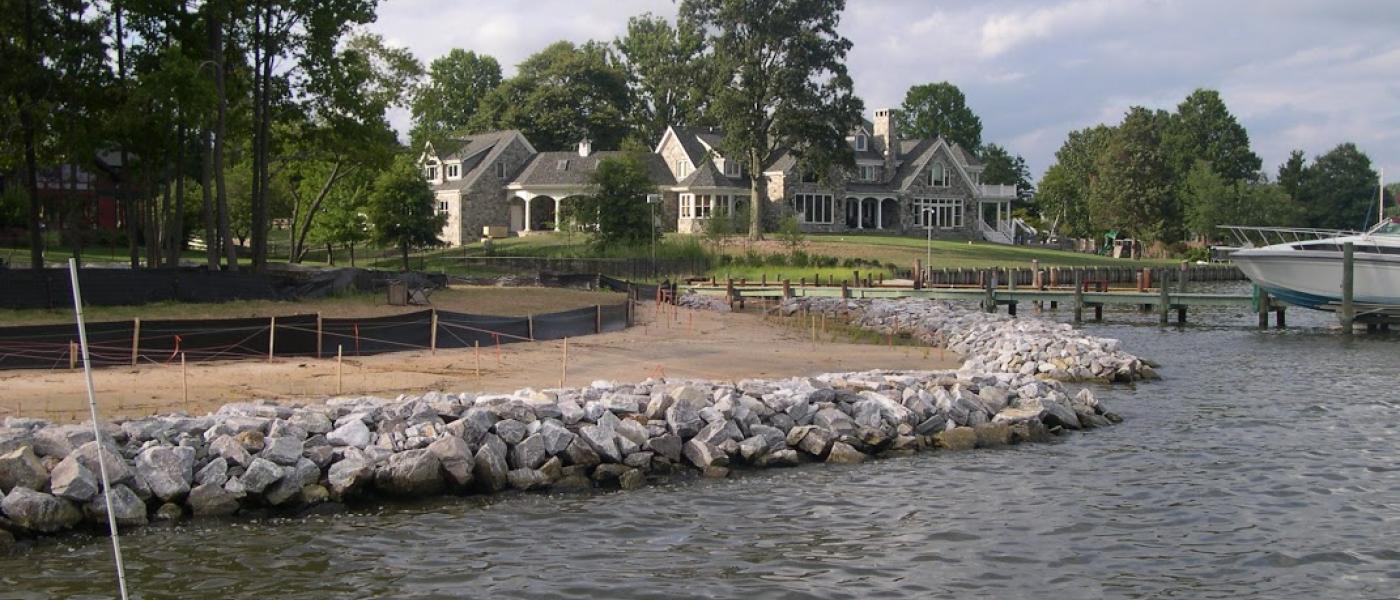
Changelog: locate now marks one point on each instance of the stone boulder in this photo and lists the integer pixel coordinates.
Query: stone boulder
(957, 438)
(455, 458)
(353, 433)
(71, 480)
(22, 468)
(38, 511)
(209, 500)
(490, 468)
(843, 453)
(410, 473)
(348, 475)
(166, 471)
(529, 453)
(282, 450)
(128, 508)
(260, 474)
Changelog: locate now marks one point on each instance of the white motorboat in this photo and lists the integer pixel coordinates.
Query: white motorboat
(1305, 267)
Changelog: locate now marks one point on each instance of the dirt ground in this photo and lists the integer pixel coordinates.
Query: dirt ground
(698, 344)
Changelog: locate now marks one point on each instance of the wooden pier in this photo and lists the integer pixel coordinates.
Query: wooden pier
(1079, 297)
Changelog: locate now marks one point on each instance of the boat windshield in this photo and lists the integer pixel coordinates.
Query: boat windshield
(1389, 227)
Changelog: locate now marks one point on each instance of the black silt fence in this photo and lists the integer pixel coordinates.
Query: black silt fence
(52, 288)
(163, 341)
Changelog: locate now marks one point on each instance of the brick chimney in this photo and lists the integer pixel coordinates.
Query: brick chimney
(888, 136)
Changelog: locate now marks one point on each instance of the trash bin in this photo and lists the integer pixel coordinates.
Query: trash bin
(398, 292)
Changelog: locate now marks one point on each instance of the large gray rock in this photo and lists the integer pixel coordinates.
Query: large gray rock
(260, 474)
(456, 459)
(837, 422)
(312, 422)
(71, 480)
(283, 450)
(37, 511)
(126, 506)
(410, 473)
(579, 453)
(527, 479)
(216, 472)
(348, 476)
(211, 500)
(632, 430)
(704, 455)
(816, 442)
(529, 453)
(556, 437)
(353, 433)
(957, 438)
(22, 468)
(667, 445)
(166, 471)
(225, 446)
(490, 468)
(843, 453)
(683, 420)
(511, 431)
(603, 441)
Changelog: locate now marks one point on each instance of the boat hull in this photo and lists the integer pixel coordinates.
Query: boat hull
(1313, 279)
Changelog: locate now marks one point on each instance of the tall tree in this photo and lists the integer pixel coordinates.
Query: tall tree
(561, 95)
(786, 84)
(1339, 189)
(1134, 189)
(667, 71)
(1212, 200)
(1292, 173)
(1001, 168)
(1203, 129)
(401, 209)
(445, 103)
(1063, 196)
(940, 109)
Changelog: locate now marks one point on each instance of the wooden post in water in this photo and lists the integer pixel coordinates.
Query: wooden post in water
(1011, 287)
(1078, 296)
(989, 303)
(1262, 299)
(1162, 302)
(1348, 312)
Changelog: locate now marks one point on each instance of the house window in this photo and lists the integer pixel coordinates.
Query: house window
(454, 171)
(860, 143)
(938, 213)
(431, 172)
(500, 170)
(867, 173)
(812, 208)
(562, 165)
(696, 206)
(731, 168)
(682, 168)
(809, 177)
(442, 207)
(938, 175)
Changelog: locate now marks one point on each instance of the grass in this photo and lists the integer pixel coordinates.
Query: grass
(876, 253)
(502, 301)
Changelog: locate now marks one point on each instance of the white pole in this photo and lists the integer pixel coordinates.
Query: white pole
(96, 433)
(1380, 199)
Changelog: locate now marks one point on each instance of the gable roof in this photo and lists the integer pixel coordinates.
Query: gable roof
(544, 169)
(476, 153)
(915, 154)
(695, 143)
(707, 176)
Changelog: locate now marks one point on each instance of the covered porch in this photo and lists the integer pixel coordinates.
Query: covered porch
(539, 210)
(872, 212)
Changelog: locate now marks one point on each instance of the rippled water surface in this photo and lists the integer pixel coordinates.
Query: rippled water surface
(1263, 466)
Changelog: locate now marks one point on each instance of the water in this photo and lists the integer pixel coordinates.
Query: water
(1263, 466)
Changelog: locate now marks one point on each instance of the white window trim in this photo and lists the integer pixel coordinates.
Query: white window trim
(731, 168)
(682, 168)
(932, 171)
(820, 202)
(955, 216)
(861, 143)
(867, 172)
(453, 170)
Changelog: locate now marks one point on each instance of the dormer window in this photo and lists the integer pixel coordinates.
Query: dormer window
(682, 168)
(430, 172)
(562, 165)
(809, 177)
(454, 171)
(938, 175)
(500, 170)
(867, 173)
(860, 142)
(731, 168)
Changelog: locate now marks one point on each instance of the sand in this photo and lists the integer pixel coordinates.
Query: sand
(695, 344)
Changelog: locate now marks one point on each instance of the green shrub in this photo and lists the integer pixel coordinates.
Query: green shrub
(849, 263)
(1196, 255)
(800, 259)
(752, 258)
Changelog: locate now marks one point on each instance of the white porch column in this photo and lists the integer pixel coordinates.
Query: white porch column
(879, 213)
(557, 204)
(860, 213)
(527, 214)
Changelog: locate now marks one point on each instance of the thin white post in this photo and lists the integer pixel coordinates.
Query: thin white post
(527, 214)
(879, 213)
(96, 432)
(557, 205)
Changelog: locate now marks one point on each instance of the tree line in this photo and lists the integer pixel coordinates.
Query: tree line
(1172, 177)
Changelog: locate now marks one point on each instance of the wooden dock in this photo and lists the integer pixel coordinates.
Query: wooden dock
(1162, 300)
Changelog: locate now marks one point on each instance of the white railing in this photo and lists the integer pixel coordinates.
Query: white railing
(997, 190)
(1001, 234)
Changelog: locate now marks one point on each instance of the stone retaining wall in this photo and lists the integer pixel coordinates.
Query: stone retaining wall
(261, 455)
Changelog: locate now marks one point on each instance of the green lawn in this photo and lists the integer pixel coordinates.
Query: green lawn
(735, 257)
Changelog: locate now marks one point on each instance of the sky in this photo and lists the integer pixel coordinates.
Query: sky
(1298, 74)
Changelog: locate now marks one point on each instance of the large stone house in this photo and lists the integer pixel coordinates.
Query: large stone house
(901, 186)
